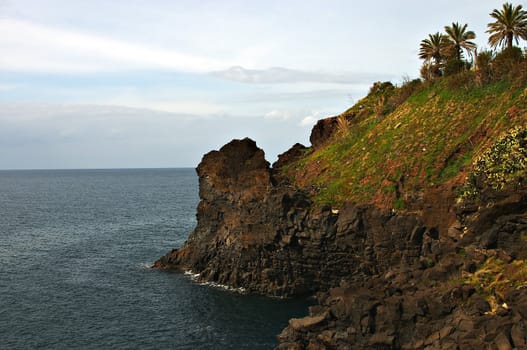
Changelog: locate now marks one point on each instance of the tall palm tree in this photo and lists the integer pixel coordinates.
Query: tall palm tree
(434, 48)
(510, 25)
(460, 39)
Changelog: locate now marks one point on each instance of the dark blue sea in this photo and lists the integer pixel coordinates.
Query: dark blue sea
(75, 251)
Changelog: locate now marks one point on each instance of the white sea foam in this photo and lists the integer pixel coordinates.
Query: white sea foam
(193, 276)
(224, 287)
(146, 265)
(196, 278)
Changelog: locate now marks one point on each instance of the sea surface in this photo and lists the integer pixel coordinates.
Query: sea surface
(76, 248)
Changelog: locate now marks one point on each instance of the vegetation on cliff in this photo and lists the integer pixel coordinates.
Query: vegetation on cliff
(406, 217)
(510, 25)
(502, 165)
(462, 129)
(443, 53)
(397, 141)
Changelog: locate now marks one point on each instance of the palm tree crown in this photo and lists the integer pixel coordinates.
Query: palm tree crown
(433, 48)
(510, 25)
(460, 39)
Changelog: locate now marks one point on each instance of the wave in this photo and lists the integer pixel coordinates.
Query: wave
(195, 277)
(146, 265)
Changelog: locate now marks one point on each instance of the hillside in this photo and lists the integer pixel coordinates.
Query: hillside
(398, 141)
(406, 218)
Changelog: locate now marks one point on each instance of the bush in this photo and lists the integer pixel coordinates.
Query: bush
(430, 72)
(483, 67)
(381, 88)
(511, 54)
(461, 80)
(506, 62)
(502, 164)
(454, 66)
(406, 90)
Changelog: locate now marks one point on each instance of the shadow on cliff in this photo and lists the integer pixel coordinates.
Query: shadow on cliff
(384, 279)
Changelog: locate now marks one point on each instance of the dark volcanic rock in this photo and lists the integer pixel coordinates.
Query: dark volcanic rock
(431, 309)
(294, 153)
(266, 238)
(322, 131)
(422, 319)
(325, 128)
(383, 279)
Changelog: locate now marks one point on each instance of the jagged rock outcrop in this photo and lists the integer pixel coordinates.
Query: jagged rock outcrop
(322, 131)
(293, 154)
(383, 279)
(436, 306)
(265, 237)
(326, 128)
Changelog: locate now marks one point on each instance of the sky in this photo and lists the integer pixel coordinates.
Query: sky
(159, 83)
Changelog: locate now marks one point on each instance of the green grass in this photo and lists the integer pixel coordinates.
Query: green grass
(495, 278)
(399, 203)
(455, 166)
(429, 135)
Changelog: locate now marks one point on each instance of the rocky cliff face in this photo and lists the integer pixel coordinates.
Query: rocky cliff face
(258, 233)
(383, 279)
(460, 297)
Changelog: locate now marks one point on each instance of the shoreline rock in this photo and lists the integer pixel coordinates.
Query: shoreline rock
(383, 279)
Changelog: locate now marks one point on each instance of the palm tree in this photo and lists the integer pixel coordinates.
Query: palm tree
(460, 39)
(510, 25)
(434, 48)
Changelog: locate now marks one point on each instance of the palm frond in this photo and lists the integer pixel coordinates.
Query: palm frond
(460, 37)
(509, 26)
(433, 48)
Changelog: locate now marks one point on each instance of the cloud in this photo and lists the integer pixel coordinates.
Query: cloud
(9, 87)
(85, 136)
(313, 117)
(29, 112)
(278, 115)
(31, 47)
(307, 121)
(193, 106)
(280, 75)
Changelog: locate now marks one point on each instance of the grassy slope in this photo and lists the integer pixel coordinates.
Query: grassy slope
(392, 145)
(432, 135)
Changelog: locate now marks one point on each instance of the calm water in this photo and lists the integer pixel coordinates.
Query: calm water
(75, 246)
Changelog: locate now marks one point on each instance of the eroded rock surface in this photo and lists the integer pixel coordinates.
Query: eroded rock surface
(265, 237)
(383, 279)
(434, 306)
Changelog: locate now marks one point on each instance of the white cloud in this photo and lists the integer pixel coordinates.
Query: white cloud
(314, 116)
(278, 115)
(23, 112)
(279, 75)
(191, 107)
(8, 87)
(307, 121)
(85, 136)
(27, 46)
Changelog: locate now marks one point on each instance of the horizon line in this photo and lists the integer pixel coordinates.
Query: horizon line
(96, 168)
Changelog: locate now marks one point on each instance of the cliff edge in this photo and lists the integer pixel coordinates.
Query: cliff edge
(408, 223)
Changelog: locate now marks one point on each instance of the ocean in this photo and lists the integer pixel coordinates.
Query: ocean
(76, 248)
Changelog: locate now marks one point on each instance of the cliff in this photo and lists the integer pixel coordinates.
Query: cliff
(406, 218)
